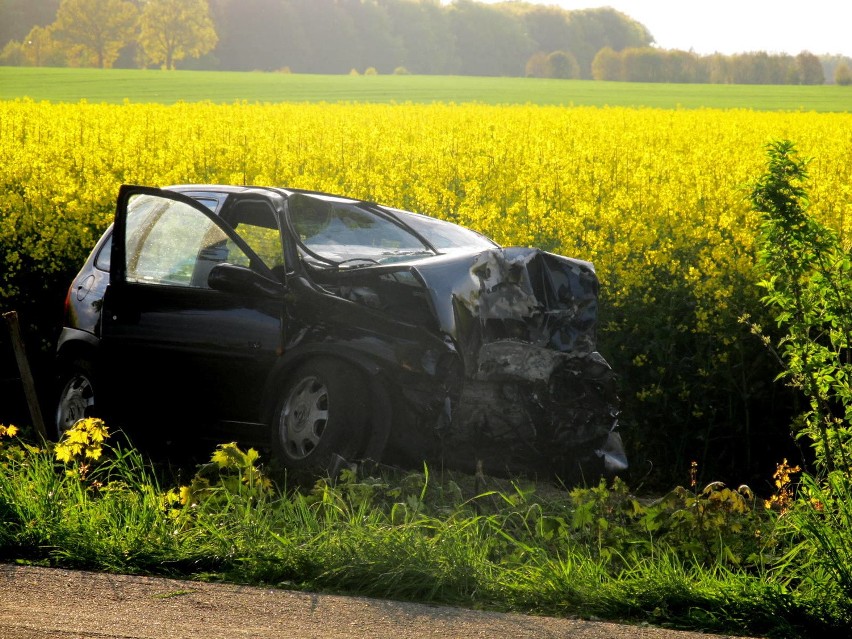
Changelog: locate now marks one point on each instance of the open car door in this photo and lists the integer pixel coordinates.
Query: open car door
(192, 316)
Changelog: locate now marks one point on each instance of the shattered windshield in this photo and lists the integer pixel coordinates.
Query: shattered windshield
(335, 230)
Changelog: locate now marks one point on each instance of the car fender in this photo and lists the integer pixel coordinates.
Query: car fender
(74, 343)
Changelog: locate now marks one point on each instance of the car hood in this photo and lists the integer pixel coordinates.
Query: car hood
(517, 294)
(474, 298)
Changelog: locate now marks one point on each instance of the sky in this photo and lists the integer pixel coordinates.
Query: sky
(736, 26)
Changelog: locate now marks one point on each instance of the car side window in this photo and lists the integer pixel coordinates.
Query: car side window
(104, 254)
(255, 222)
(172, 244)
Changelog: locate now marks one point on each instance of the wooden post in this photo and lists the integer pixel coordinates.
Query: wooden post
(26, 374)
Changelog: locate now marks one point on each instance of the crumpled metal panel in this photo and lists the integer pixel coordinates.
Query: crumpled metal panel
(537, 395)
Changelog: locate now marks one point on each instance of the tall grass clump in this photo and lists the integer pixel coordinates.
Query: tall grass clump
(84, 504)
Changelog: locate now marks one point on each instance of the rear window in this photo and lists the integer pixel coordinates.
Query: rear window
(102, 260)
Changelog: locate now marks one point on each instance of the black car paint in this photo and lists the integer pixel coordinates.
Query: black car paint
(471, 356)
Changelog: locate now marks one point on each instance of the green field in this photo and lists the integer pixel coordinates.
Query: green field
(118, 85)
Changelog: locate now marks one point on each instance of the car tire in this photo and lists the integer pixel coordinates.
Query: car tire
(322, 414)
(76, 398)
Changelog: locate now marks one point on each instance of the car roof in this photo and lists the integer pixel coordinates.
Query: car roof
(234, 189)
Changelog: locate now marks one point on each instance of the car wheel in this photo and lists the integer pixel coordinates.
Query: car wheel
(323, 412)
(76, 397)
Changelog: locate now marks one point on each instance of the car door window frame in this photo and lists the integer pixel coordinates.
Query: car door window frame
(118, 270)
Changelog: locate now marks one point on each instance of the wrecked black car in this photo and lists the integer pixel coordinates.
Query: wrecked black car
(331, 328)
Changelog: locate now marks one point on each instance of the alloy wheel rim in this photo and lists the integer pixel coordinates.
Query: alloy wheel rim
(304, 418)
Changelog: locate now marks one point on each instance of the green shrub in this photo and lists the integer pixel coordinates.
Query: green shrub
(807, 279)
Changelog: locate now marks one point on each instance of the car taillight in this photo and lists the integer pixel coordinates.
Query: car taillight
(66, 310)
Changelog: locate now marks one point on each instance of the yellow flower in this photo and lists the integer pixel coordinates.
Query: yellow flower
(8, 431)
(83, 441)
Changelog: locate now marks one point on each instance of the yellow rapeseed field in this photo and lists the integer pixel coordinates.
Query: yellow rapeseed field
(657, 199)
(621, 187)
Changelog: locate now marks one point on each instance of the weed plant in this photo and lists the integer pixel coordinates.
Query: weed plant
(807, 279)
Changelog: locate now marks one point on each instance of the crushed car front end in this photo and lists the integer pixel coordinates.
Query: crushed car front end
(525, 389)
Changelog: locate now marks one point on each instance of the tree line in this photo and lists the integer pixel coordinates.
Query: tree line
(97, 33)
(465, 37)
(647, 64)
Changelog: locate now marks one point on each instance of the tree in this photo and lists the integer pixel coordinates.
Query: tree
(423, 27)
(251, 34)
(607, 65)
(781, 69)
(810, 68)
(329, 35)
(720, 68)
(377, 45)
(830, 63)
(40, 48)
(643, 64)
(171, 30)
(489, 41)
(17, 17)
(595, 29)
(548, 28)
(557, 64)
(685, 66)
(750, 68)
(562, 65)
(95, 31)
(843, 75)
(536, 66)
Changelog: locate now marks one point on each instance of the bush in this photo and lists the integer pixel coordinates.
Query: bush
(843, 75)
(536, 66)
(562, 65)
(807, 279)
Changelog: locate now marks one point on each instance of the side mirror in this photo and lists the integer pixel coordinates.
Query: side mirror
(243, 281)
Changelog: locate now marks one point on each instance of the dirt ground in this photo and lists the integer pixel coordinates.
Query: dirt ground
(47, 603)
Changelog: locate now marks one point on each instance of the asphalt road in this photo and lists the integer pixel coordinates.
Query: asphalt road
(48, 603)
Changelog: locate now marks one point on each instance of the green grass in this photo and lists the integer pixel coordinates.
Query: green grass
(117, 85)
(442, 538)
